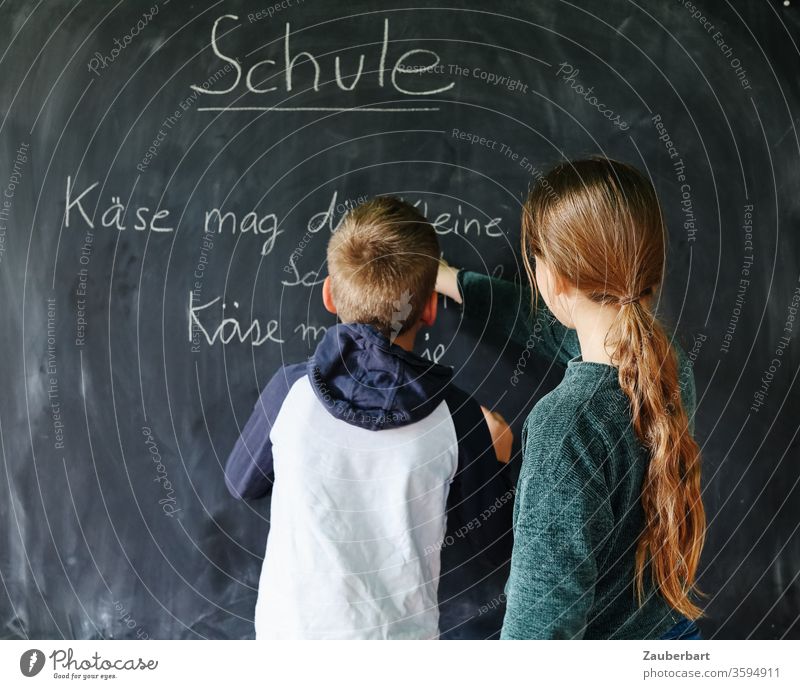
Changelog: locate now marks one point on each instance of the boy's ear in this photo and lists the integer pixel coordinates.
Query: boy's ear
(428, 315)
(327, 296)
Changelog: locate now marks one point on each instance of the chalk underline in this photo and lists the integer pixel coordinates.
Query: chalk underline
(311, 109)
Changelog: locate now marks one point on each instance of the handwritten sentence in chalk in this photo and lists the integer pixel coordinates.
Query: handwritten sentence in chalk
(204, 326)
(266, 226)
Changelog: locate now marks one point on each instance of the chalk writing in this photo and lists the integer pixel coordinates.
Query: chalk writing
(311, 333)
(230, 328)
(265, 225)
(114, 215)
(270, 75)
(460, 223)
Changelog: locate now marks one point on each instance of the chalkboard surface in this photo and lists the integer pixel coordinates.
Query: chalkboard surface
(170, 173)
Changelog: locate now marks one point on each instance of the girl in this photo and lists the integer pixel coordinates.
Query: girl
(608, 518)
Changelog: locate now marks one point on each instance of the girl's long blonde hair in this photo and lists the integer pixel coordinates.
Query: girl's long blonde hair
(598, 224)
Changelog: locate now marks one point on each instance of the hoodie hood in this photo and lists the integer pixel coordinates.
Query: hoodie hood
(363, 379)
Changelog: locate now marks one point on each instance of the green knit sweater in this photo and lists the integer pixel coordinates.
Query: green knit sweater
(577, 514)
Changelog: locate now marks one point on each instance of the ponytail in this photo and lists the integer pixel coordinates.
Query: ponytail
(674, 518)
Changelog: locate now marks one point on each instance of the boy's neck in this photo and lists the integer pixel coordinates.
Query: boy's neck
(406, 340)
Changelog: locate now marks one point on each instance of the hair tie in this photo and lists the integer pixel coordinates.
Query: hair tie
(632, 300)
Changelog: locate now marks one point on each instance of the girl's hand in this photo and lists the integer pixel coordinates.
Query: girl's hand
(502, 437)
(447, 282)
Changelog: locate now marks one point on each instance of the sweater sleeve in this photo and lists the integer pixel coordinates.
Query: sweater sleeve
(562, 518)
(504, 308)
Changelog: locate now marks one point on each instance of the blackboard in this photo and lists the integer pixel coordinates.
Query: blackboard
(170, 173)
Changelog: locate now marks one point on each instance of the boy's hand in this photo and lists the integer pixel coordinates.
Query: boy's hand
(447, 282)
(502, 437)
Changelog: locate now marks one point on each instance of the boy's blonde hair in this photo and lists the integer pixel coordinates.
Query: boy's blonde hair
(382, 260)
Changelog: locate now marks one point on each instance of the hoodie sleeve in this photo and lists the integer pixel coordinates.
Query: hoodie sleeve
(480, 500)
(248, 472)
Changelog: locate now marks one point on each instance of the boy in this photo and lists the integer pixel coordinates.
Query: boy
(364, 441)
